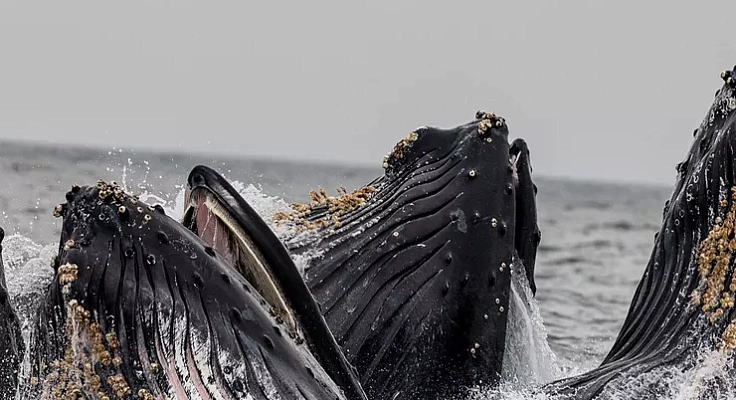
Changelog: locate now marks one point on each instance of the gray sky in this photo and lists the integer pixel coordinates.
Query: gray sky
(599, 89)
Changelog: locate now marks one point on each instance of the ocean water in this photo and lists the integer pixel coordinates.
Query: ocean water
(596, 237)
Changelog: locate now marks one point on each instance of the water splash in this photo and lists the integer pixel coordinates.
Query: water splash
(528, 359)
(28, 273)
(713, 367)
(264, 204)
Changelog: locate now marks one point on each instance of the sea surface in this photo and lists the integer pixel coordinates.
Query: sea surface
(596, 237)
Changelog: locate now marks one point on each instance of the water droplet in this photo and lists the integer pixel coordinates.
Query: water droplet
(198, 281)
(502, 229)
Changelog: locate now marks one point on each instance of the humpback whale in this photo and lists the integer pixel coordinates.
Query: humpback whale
(414, 272)
(683, 308)
(140, 307)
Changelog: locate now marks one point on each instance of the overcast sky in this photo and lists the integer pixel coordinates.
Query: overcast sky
(599, 89)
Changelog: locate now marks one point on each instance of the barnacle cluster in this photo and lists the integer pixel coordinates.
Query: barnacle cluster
(728, 77)
(398, 151)
(728, 338)
(113, 194)
(714, 258)
(113, 190)
(488, 120)
(67, 273)
(87, 351)
(334, 208)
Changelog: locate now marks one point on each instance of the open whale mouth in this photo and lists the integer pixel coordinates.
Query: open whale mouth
(210, 217)
(225, 221)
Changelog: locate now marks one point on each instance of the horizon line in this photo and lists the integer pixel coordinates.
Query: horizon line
(303, 161)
